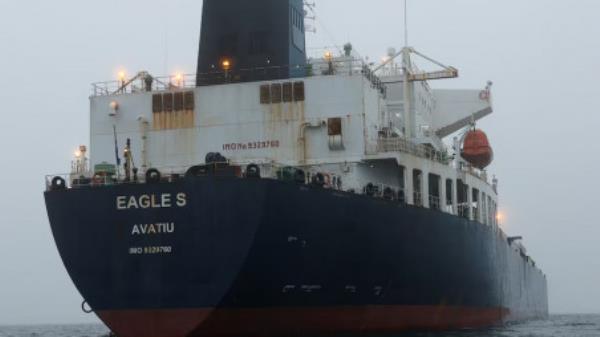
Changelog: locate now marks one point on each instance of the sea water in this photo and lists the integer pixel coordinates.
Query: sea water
(556, 326)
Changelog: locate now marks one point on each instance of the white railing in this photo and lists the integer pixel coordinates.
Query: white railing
(144, 82)
(405, 146)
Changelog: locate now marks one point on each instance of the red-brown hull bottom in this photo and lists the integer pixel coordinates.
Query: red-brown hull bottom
(297, 321)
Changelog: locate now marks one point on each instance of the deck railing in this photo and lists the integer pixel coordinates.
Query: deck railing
(402, 145)
(144, 82)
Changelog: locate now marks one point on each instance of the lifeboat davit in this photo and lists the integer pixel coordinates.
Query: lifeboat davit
(477, 150)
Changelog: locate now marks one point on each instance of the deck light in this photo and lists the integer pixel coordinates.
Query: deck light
(328, 56)
(499, 217)
(122, 76)
(114, 106)
(226, 64)
(178, 79)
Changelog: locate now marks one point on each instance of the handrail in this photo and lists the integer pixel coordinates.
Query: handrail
(147, 83)
(398, 144)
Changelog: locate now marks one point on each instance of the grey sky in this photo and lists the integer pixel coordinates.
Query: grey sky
(543, 56)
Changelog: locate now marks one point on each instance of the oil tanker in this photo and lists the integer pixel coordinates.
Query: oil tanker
(273, 194)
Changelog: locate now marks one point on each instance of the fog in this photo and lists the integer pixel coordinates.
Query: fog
(543, 57)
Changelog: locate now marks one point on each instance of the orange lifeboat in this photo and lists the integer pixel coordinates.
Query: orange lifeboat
(477, 150)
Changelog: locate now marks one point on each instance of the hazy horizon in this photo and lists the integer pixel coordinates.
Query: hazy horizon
(542, 56)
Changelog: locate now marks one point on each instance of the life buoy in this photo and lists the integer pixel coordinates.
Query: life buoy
(252, 171)
(58, 183)
(152, 176)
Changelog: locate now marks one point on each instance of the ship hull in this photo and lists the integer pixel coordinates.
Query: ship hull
(254, 257)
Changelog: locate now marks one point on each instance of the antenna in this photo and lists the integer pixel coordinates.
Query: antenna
(405, 23)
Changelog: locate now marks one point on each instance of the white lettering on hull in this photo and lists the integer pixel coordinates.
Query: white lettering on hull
(151, 250)
(151, 201)
(153, 229)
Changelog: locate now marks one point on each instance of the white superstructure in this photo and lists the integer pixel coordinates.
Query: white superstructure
(377, 131)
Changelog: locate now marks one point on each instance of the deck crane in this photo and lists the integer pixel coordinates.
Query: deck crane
(419, 76)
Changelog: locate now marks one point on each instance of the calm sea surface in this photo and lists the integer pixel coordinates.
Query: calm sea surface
(556, 326)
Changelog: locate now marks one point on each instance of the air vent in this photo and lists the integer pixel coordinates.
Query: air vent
(334, 126)
(282, 92)
(157, 103)
(265, 94)
(178, 98)
(287, 92)
(276, 93)
(173, 110)
(299, 91)
(189, 101)
(168, 102)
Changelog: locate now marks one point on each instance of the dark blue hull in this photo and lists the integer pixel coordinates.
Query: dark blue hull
(264, 257)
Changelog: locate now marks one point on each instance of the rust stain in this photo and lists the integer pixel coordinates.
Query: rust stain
(181, 119)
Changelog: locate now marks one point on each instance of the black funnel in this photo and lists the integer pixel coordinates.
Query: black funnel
(251, 40)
